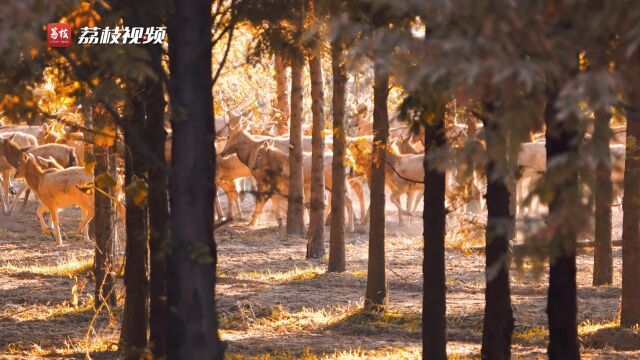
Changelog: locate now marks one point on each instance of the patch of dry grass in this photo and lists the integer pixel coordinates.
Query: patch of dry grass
(296, 274)
(530, 335)
(399, 353)
(64, 267)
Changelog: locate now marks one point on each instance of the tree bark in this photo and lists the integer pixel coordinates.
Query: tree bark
(498, 314)
(337, 257)
(376, 293)
(603, 250)
(158, 214)
(630, 309)
(295, 204)
(434, 322)
(282, 101)
(561, 300)
(315, 246)
(136, 281)
(104, 220)
(191, 263)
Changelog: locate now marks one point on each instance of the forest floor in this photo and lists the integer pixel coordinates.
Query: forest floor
(275, 304)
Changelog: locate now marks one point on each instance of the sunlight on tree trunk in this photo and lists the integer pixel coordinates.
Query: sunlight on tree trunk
(434, 309)
(295, 204)
(104, 219)
(315, 246)
(158, 219)
(337, 261)
(376, 293)
(282, 101)
(603, 251)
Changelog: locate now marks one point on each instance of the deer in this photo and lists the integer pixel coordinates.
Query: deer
(243, 144)
(52, 134)
(6, 168)
(57, 190)
(404, 175)
(62, 154)
(272, 165)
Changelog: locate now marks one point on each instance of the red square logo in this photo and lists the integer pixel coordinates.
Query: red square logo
(59, 35)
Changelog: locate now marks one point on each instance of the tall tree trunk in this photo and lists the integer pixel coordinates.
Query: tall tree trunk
(158, 214)
(191, 263)
(498, 313)
(315, 246)
(136, 281)
(376, 293)
(561, 300)
(282, 101)
(603, 251)
(295, 207)
(337, 261)
(103, 219)
(630, 312)
(434, 309)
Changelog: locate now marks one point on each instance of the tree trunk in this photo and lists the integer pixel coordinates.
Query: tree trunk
(191, 263)
(295, 207)
(315, 246)
(103, 219)
(630, 313)
(376, 293)
(434, 322)
(136, 281)
(158, 215)
(337, 261)
(603, 251)
(561, 300)
(498, 314)
(282, 101)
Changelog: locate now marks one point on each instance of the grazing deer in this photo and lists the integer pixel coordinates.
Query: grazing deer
(56, 190)
(62, 154)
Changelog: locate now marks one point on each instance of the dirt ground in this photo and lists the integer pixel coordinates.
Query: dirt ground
(273, 303)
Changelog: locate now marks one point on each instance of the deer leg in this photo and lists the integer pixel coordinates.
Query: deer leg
(87, 215)
(348, 203)
(6, 175)
(261, 200)
(395, 199)
(43, 225)
(17, 197)
(26, 198)
(56, 226)
(358, 189)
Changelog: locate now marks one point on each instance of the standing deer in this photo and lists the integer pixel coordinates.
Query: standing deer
(56, 190)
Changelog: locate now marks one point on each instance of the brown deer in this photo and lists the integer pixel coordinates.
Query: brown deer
(64, 155)
(56, 190)
(6, 168)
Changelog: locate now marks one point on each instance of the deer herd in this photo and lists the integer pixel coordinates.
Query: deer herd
(48, 161)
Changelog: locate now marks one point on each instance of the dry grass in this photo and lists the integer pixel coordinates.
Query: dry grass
(65, 267)
(275, 304)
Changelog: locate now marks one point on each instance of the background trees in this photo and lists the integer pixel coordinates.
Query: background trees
(513, 65)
